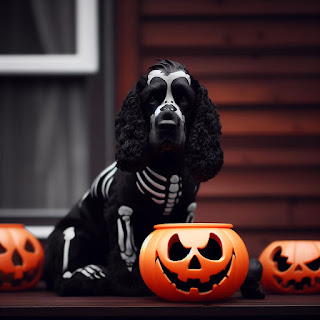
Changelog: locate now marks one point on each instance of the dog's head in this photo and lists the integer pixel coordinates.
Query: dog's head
(168, 111)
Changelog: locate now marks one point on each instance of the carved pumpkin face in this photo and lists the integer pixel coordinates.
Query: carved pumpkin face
(193, 262)
(21, 258)
(291, 267)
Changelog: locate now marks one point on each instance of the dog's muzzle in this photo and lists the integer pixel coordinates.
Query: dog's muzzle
(167, 119)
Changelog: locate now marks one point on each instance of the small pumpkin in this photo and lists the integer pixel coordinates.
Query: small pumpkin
(193, 262)
(21, 258)
(291, 266)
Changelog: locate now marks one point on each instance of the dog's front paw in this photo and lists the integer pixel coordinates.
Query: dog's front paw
(90, 271)
(88, 280)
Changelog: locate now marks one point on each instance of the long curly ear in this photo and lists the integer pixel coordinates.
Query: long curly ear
(204, 156)
(131, 135)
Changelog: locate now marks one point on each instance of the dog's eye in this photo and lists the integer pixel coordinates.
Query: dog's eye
(152, 100)
(183, 100)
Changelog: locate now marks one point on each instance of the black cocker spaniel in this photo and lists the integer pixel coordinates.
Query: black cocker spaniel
(167, 134)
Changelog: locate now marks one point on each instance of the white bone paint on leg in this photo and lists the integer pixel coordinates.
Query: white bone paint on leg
(68, 234)
(128, 250)
(191, 210)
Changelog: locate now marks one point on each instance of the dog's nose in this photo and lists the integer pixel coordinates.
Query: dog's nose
(168, 107)
(167, 119)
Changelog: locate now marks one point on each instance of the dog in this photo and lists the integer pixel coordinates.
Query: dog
(168, 142)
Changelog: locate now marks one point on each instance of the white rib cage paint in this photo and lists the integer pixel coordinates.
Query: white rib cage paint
(162, 191)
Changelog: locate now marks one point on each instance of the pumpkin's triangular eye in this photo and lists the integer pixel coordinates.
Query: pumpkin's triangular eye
(212, 250)
(176, 250)
(281, 261)
(314, 265)
(2, 249)
(29, 246)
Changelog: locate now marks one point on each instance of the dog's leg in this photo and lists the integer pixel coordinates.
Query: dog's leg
(69, 234)
(252, 288)
(90, 271)
(128, 250)
(73, 265)
(191, 212)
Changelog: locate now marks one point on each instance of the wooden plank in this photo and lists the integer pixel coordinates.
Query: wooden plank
(231, 34)
(273, 90)
(262, 156)
(273, 182)
(41, 304)
(244, 213)
(127, 47)
(306, 213)
(260, 213)
(270, 122)
(239, 65)
(229, 7)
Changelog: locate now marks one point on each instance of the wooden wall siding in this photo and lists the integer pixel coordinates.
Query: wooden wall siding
(260, 61)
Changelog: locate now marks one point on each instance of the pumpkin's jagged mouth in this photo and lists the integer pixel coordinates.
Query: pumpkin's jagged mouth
(205, 287)
(27, 276)
(306, 281)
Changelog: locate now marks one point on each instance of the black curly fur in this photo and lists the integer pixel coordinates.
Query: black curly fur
(204, 156)
(168, 66)
(131, 135)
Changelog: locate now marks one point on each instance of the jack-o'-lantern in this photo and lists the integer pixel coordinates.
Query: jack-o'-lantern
(193, 262)
(291, 266)
(21, 258)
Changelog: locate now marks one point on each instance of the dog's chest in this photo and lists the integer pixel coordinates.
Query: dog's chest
(163, 191)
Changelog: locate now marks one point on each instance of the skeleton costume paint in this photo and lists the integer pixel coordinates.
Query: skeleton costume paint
(166, 130)
(160, 194)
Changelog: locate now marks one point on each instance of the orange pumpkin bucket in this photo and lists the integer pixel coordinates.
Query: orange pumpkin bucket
(21, 258)
(291, 266)
(193, 261)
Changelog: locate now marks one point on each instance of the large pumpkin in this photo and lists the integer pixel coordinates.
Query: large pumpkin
(193, 262)
(21, 258)
(291, 266)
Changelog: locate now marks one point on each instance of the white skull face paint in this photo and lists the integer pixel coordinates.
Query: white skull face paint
(169, 99)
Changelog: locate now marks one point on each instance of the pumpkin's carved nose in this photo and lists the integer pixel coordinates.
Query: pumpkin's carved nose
(16, 258)
(194, 263)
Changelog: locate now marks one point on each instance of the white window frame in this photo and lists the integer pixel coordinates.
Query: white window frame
(83, 61)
